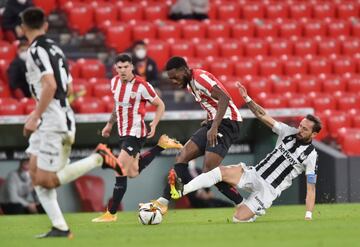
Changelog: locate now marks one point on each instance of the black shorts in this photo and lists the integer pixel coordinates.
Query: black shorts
(131, 144)
(228, 133)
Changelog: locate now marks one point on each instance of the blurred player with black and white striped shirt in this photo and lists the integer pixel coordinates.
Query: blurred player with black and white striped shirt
(292, 155)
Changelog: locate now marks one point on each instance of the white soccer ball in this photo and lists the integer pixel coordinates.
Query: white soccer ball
(149, 214)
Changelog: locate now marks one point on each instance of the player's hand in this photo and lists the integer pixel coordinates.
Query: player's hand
(212, 137)
(152, 130)
(31, 124)
(106, 130)
(242, 90)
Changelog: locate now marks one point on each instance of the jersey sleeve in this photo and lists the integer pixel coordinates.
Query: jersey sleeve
(41, 60)
(282, 129)
(207, 81)
(148, 93)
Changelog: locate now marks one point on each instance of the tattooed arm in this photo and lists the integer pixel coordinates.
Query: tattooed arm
(108, 127)
(258, 111)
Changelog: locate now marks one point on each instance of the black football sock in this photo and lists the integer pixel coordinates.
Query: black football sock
(146, 158)
(182, 172)
(118, 193)
(230, 192)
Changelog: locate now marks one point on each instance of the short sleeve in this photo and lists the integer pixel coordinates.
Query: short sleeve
(148, 93)
(207, 81)
(282, 129)
(41, 60)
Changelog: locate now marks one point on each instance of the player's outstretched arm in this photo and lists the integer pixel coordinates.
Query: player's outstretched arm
(310, 199)
(259, 112)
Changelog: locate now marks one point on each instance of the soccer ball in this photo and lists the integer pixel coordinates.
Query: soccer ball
(149, 214)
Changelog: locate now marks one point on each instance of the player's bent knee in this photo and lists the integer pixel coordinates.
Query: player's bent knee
(231, 174)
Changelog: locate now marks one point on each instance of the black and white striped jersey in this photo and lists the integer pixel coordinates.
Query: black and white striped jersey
(289, 158)
(45, 57)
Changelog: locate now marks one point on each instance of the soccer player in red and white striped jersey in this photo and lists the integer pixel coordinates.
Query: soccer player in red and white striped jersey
(131, 93)
(218, 132)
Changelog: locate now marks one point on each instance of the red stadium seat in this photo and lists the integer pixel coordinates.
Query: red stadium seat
(299, 10)
(251, 10)
(273, 101)
(355, 28)
(290, 29)
(324, 10)
(74, 69)
(299, 101)
(89, 105)
(231, 48)
(212, 13)
(265, 29)
(130, 12)
(258, 87)
(9, 106)
(28, 104)
(157, 11)
(314, 28)
(220, 67)
(282, 85)
(281, 47)
(242, 29)
(192, 30)
(271, 66)
(344, 65)
(246, 66)
(295, 65)
(80, 17)
(305, 47)
(143, 30)
(91, 190)
(7, 50)
(104, 12)
(309, 84)
(332, 84)
(350, 144)
(101, 90)
(182, 48)
(347, 10)
(91, 68)
(48, 6)
(353, 84)
(229, 11)
(351, 46)
(337, 120)
(276, 11)
(159, 51)
(83, 87)
(320, 65)
(338, 28)
(197, 63)
(217, 29)
(168, 30)
(324, 102)
(230, 85)
(256, 47)
(348, 101)
(356, 121)
(327, 47)
(4, 65)
(116, 32)
(206, 48)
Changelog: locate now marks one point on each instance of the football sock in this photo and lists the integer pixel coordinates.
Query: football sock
(163, 201)
(118, 193)
(230, 192)
(48, 200)
(182, 172)
(146, 158)
(204, 180)
(74, 170)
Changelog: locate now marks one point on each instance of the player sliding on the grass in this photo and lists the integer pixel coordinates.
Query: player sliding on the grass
(293, 154)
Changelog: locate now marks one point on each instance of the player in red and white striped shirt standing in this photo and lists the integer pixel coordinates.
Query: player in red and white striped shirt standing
(218, 132)
(131, 93)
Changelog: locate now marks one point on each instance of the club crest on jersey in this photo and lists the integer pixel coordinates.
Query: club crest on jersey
(133, 95)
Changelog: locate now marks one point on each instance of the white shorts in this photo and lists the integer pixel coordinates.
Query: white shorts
(51, 148)
(261, 193)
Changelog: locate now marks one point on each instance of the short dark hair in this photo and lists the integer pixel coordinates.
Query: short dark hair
(123, 57)
(33, 17)
(175, 63)
(317, 122)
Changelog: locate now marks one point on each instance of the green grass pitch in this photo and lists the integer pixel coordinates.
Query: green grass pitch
(333, 225)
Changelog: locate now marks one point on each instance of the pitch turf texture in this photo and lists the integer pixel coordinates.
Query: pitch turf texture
(333, 225)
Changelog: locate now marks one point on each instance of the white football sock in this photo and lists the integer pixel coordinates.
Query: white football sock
(163, 201)
(74, 170)
(48, 200)
(204, 180)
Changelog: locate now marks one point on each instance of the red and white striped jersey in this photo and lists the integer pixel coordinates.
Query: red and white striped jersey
(130, 100)
(201, 85)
